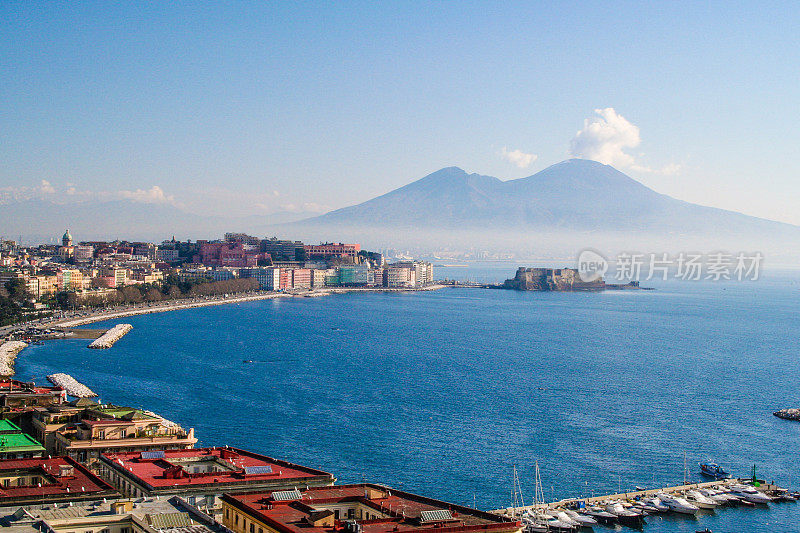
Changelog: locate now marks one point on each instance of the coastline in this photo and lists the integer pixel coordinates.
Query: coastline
(192, 304)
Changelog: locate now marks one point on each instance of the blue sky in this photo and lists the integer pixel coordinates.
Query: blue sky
(266, 107)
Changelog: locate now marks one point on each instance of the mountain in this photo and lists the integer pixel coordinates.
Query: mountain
(574, 195)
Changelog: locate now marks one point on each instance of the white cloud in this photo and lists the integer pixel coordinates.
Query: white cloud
(605, 138)
(153, 195)
(518, 157)
(46, 188)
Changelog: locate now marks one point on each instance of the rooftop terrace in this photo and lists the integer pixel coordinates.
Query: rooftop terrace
(206, 466)
(375, 508)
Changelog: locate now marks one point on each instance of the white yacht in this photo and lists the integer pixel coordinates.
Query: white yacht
(582, 519)
(701, 500)
(656, 503)
(678, 504)
(750, 494)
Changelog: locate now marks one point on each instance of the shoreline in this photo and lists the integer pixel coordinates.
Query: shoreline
(191, 304)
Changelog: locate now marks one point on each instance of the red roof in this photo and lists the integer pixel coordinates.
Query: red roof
(80, 480)
(168, 471)
(392, 511)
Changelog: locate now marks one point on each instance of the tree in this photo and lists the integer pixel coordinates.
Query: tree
(17, 290)
(153, 295)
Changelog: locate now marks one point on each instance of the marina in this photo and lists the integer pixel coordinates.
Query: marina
(631, 509)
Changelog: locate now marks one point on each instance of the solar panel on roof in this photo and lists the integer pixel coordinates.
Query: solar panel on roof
(435, 515)
(266, 469)
(285, 495)
(153, 455)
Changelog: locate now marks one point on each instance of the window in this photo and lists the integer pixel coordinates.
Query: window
(236, 519)
(252, 528)
(227, 514)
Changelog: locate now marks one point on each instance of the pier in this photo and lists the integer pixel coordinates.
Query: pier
(72, 386)
(111, 336)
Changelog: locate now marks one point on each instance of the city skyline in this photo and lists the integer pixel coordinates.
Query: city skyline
(303, 109)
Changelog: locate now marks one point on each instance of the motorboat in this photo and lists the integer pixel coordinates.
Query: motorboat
(719, 496)
(750, 494)
(713, 470)
(678, 504)
(602, 516)
(656, 503)
(625, 516)
(701, 500)
(567, 519)
(582, 519)
(783, 495)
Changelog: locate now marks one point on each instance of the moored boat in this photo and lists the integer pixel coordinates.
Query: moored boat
(678, 504)
(713, 470)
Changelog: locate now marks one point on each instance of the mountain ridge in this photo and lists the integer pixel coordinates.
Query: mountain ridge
(575, 194)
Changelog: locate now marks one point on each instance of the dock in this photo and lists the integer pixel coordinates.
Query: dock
(631, 508)
(632, 495)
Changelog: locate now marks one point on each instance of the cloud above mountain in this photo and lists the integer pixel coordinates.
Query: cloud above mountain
(607, 137)
(518, 157)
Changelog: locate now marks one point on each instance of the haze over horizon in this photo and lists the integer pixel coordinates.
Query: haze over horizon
(258, 110)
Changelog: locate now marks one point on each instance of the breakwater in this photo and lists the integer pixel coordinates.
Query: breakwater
(71, 385)
(8, 352)
(111, 336)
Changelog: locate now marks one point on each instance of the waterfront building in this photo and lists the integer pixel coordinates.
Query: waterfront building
(301, 278)
(202, 475)
(400, 277)
(268, 277)
(42, 481)
(330, 250)
(365, 507)
(84, 430)
(423, 271)
(14, 444)
(149, 515)
(318, 277)
(354, 275)
(378, 275)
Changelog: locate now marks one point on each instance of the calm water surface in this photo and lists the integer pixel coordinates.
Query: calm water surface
(441, 393)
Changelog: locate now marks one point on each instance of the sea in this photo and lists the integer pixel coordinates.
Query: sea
(445, 393)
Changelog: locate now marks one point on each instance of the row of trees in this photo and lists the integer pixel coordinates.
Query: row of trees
(171, 289)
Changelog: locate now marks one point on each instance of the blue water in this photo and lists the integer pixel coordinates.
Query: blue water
(441, 393)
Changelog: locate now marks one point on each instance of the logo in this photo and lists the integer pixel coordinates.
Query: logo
(591, 266)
